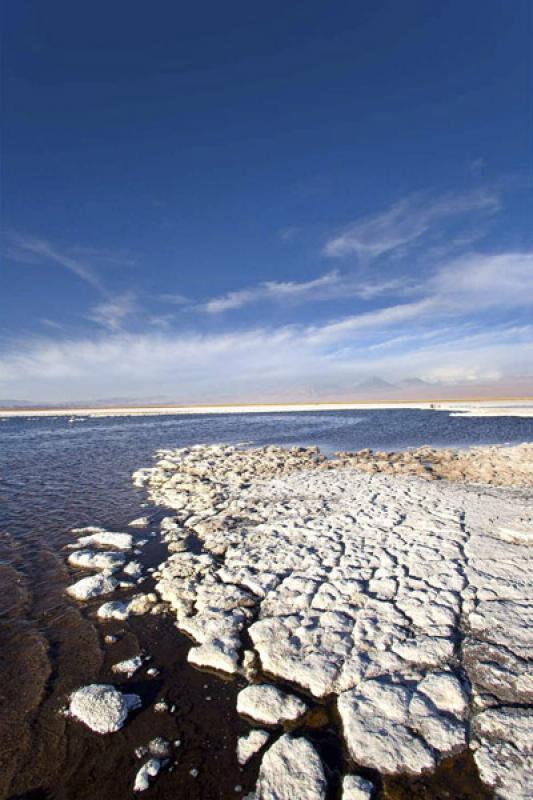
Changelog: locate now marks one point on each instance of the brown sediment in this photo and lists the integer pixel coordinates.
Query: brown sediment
(493, 466)
(455, 778)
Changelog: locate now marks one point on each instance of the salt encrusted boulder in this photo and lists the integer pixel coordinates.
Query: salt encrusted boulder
(129, 666)
(93, 560)
(101, 707)
(93, 586)
(102, 538)
(504, 751)
(269, 705)
(133, 569)
(147, 772)
(356, 788)
(248, 746)
(119, 609)
(291, 769)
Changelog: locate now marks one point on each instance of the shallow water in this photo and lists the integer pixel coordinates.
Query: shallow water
(55, 475)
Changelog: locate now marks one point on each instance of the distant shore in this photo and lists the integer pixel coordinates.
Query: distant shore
(512, 407)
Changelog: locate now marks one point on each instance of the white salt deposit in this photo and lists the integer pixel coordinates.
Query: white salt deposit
(93, 560)
(121, 609)
(291, 769)
(269, 705)
(146, 773)
(356, 788)
(134, 569)
(249, 745)
(129, 666)
(380, 590)
(102, 538)
(101, 707)
(93, 586)
(140, 522)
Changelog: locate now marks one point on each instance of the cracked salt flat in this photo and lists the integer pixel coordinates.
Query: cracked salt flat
(396, 596)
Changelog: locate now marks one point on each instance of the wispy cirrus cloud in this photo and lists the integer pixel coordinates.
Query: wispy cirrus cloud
(114, 308)
(30, 249)
(406, 222)
(329, 286)
(112, 312)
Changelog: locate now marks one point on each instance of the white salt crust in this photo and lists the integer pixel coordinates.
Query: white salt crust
(101, 707)
(409, 601)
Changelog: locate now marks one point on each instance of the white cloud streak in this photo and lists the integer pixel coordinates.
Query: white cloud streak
(405, 223)
(329, 286)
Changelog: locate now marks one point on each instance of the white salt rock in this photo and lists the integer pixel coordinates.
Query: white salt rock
(93, 586)
(119, 541)
(134, 568)
(90, 559)
(291, 769)
(445, 691)
(356, 788)
(268, 704)
(101, 707)
(146, 772)
(159, 747)
(129, 666)
(114, 609)
(140, 522)
(248, 746)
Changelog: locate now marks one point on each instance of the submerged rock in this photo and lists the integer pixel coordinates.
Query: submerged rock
(101, 707)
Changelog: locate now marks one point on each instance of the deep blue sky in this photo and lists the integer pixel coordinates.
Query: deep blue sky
(231, 201)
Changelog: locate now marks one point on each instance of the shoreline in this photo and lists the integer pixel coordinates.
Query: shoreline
(474, 408)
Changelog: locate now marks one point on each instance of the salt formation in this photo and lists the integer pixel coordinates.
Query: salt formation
(356, 788)
(140, 522)
(147, 771)
(134, 569)
(407, 601)
(249, 745)
(93, 586)
(122, 609)
(129, 666)
(102, 708)
(93, 560)
(99, 537)
(269, 705)
(291, 769)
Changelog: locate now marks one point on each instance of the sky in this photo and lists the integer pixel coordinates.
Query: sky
(229, 202)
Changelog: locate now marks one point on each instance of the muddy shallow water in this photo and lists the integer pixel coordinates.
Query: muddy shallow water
(55, 475)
